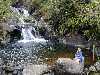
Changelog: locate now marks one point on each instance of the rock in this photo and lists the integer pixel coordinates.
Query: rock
(97, 65)
(66, 65)
(35, 69)
(15, 72)
(1, 70)
(4, 30)
(86, 71)
(92, 68)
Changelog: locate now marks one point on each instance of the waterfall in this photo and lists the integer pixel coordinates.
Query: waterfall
(25, 13)
(28, 36)
(27, 31)
(20, 51)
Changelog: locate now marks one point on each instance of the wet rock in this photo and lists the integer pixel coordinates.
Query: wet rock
(18, 70)
(11, 69)
(15, 72)
(66, 65)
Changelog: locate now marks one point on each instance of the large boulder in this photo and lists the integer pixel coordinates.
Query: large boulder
(66, 65)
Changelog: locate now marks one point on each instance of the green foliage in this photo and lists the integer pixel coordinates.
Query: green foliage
(64, 16)
(73, 15)
(5, 9)
(57, 11)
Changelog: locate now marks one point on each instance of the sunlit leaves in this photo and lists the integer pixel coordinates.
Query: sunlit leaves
(5, 9)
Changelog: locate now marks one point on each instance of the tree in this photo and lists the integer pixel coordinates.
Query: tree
(5, 9)
(73, 15)
(63, 16)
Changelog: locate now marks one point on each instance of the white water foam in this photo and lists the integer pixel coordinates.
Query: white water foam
(27, 31)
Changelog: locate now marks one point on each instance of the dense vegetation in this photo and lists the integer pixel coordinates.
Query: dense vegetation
(73, 15)
(64, 16)
(4, 10)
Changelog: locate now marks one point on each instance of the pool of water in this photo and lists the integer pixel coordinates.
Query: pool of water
(24, 53)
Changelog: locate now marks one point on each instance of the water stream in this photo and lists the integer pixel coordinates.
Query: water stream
(25, 50)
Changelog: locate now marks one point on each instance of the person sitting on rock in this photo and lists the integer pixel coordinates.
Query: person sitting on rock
(78, 56)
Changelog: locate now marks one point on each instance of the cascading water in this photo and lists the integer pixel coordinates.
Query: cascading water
(29, 49)
(27, 31)
(28, 36)
(26, 49)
